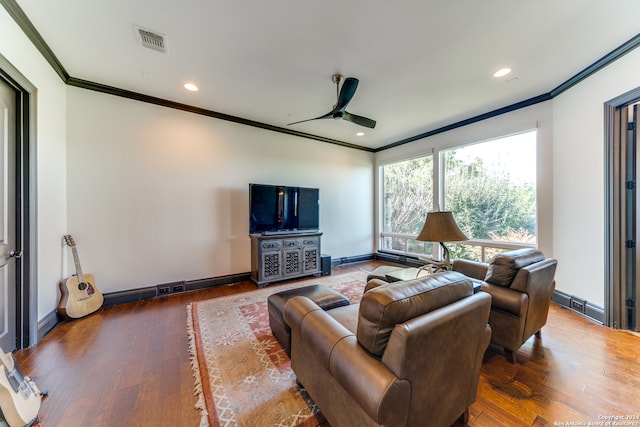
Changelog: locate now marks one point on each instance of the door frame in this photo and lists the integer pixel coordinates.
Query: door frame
(615, 262)
(26, 268)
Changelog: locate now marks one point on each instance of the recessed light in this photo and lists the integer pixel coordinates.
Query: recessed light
(502, 72)
(191, 87)
(360, 134)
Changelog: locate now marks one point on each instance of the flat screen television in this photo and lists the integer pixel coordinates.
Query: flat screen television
(283, 209)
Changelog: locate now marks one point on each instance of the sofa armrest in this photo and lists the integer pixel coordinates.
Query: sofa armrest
(509, 300)
(318, 330)
(540, 285)
(383, 396)
(473, 269)
(374, 283)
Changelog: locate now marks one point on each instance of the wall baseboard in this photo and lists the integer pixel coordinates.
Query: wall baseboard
(48, 322)
(214, 282)
(578, 305)
(164, 289)
(398, 259)
(351, 259)
(122, 297)
(380, 256)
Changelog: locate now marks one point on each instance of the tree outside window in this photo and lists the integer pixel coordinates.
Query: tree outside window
(490, 187)
(407, 197)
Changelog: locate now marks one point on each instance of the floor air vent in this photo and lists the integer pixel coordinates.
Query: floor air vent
(151, 39)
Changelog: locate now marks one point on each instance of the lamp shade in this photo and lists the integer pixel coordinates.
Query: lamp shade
(441, 227)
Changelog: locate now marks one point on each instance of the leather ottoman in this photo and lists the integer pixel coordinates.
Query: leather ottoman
(326, 298)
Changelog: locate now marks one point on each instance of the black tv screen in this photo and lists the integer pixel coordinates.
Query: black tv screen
(281, 208)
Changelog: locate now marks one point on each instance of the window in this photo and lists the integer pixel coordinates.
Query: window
(407, 197)
(490, 187)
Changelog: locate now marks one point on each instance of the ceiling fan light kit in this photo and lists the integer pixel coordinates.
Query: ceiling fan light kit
(344, 95)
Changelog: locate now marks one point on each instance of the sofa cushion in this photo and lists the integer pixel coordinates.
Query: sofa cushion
(347, 316)
(384, 307)
(503, 267)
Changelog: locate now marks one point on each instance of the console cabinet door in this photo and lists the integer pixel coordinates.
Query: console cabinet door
(292, 250)
(274, 259)
(292, 262)
(270, 261)
(311, 255)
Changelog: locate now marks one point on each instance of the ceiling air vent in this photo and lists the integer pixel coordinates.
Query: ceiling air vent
(151, 39)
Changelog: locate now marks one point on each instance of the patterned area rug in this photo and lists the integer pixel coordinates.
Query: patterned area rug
(243, 377)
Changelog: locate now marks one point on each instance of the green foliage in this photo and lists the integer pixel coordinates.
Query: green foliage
(486, 203)
(408, 194)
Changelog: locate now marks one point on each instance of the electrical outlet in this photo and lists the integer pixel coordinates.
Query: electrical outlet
(178, 288)
(578, 304)
(164, 290)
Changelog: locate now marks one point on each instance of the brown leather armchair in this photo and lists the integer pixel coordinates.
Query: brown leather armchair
(520, 283)
(409, 354)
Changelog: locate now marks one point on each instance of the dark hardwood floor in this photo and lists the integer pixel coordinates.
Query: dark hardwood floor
(128, 365)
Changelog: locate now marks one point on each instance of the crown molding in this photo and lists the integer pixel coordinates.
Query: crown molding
(110, 90)
(18, 15)
(490, 114)
(30, 31)
(609, 58)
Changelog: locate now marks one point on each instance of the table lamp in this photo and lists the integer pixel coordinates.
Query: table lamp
(440, 227)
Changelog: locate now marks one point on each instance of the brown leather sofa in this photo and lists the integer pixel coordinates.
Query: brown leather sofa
(520, 283)
(409, 354)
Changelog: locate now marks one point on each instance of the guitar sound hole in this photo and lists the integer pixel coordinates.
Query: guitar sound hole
(82, 286)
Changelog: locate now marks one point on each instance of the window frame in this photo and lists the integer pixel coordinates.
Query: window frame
(438, 180)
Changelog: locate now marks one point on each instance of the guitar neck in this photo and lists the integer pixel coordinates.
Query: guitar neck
(76, 261)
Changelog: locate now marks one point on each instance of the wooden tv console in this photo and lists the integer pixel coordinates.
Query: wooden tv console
(280, 256)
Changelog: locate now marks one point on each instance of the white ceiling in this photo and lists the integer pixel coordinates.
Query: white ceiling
(421, 64)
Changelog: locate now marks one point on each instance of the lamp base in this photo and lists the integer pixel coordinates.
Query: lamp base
(434, 267)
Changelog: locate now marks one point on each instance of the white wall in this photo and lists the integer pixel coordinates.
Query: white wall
(158, 195)
(578, 147)
(50, 158)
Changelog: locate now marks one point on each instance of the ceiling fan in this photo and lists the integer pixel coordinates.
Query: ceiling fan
(344, 97)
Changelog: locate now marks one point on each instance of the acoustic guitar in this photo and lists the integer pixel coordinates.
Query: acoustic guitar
(79, 295)
(19, 396)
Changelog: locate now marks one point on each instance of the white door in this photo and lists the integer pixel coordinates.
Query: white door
(8, 308)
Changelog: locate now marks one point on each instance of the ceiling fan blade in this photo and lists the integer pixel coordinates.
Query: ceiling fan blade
(325, 116)
(346, 93)
(359, 120)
